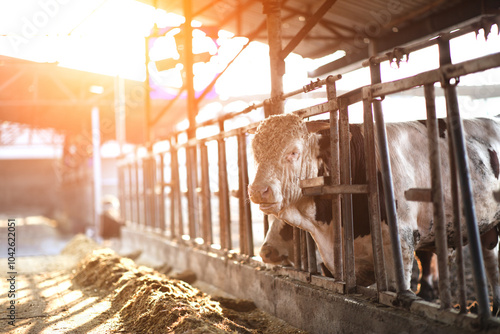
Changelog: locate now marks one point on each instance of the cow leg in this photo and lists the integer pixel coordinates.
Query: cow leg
(489, 242)
(426, 281)
(407, 252)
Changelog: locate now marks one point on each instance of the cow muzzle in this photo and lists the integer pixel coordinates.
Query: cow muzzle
(271, 255)
(265, 197)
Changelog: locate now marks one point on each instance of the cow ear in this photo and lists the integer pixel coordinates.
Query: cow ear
(316, 126)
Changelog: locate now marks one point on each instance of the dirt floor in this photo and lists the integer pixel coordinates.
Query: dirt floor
(88, 289)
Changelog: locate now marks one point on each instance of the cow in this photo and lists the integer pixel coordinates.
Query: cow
(285, 152)
(277, 249)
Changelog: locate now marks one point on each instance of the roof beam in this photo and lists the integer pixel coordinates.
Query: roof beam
(311, 22)
(324, 22)
(425, 28)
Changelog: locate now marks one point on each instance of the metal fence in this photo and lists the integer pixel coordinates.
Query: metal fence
(183, 191)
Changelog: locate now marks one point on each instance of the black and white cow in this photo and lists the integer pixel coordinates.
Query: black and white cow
(286, 152)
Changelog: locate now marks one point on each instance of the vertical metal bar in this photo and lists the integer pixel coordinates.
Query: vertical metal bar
(176, 193)
(373, 197)
(225, 214)
(437, 197)
(457, 236)
(455, 196)
(145, 191)
(456, 132)
(345, 176)
(137, 189)
(335, 180)
(130, 191)
(121, 190)
(244, 200)
(162, 194)
(272, 8)
(311, 254)
(192, 196)
(303, 250)
(206, 206)
(266, 224)
(241, 207)
(297, 260)
(385, 169)
(152, 197)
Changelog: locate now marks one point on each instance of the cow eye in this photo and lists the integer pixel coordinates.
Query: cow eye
(292, 156)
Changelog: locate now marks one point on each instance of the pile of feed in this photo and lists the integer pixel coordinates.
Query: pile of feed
(148, 301)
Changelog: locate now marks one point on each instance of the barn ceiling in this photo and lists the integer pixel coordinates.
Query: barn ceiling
(45, 95)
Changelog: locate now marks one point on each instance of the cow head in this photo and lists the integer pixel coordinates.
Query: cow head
(285, 153)
(278, 244)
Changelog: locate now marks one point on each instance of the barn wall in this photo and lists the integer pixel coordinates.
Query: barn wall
(35, 187)
(307, 307)
(29, 187)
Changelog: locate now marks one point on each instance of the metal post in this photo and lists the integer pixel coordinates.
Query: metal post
(152, 197)
(121, 191)
(176, 193)
(461, 161)
(272, 8)
(390, 203)
(206, 206)
(191, 170)
(437, 197)
(96, 166)
(246, 233)
(130, 191)
(297, 260)
(224, 208)
(137, 188)
(311, 254)
(266, 224)
(145, 190)
(303, 250)
(335, 180)
(192, 111)
(373, 197)
(161, 188)
(457, 239)
(345, 177)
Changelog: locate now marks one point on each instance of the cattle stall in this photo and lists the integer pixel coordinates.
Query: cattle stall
(186, 201)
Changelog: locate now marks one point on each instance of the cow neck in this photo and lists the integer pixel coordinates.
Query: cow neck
(358, 170)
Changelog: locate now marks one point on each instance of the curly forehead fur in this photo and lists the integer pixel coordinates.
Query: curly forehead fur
(274, 133)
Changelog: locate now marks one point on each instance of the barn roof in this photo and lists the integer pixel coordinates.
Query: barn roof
(47, 95)
(346, 25)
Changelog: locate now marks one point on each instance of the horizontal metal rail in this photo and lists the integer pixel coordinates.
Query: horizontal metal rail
(484, 22)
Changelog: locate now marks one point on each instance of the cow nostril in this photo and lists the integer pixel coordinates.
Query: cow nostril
(266, 252)
(265, 191)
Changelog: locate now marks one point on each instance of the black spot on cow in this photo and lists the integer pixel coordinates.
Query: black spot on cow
(361, 219)
(495, 166)
(441, 126)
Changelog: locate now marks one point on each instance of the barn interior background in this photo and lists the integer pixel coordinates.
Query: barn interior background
(125, 98)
